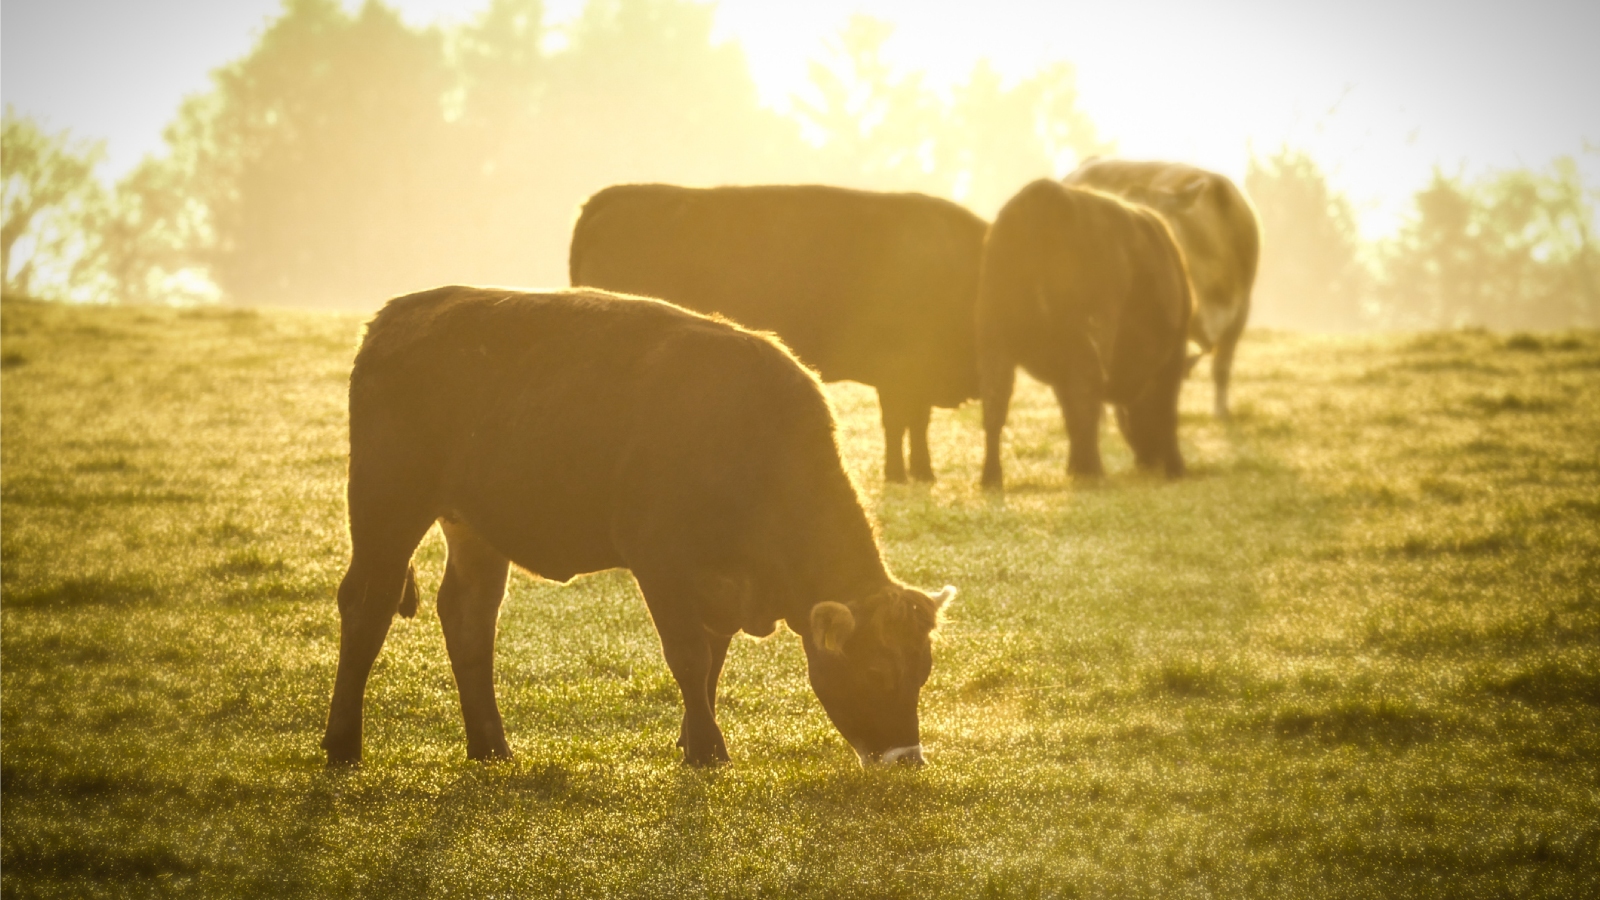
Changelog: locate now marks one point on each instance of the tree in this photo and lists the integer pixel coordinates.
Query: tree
(348, 157)
(875, 127)
(641, 93)
(52, 203)
(145, 245)
(997, 139)
(882, 129)
(1513, 250)
(1312, 275)
(322, 160)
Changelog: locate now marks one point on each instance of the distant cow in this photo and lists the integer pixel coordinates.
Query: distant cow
(1215, 227)
(868, 287)
(576, 431)
(1088, 293)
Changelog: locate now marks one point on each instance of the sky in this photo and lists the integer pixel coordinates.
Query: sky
(1378, 92)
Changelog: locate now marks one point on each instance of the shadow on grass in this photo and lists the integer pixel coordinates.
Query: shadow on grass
(1358, 722)
(85, 590)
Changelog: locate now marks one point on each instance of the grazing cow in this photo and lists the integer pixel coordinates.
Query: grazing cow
(1088, 293)
(1216, 228)
(868, 287)
(576, 431)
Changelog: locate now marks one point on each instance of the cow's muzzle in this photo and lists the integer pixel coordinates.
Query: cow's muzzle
(906, 756)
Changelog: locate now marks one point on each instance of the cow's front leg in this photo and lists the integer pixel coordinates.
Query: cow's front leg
(690, 661)
(469, 607)
(999, 376)
(719, 653)
(1081, 407)
(694, 655)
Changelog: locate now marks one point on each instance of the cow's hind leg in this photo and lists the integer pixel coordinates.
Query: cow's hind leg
(896, 419)
(469, 607)
(374, 588)
(1222, 369)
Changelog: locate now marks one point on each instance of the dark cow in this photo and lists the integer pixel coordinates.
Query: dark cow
(576, 431)
(1216, 228)
(868, 287)
(1088, 293)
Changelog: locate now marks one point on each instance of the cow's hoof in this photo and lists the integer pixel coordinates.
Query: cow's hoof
(705, 757)
(344, 760)
(705, 762)
(492, 754)
(342, 751)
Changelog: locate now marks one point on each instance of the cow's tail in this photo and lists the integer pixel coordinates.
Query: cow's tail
(409, 594)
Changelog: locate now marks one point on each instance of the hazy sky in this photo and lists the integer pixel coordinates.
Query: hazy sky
(1379, 92)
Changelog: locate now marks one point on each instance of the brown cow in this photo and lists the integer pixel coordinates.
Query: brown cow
(576, 431)
(868, 287)
(1216, 228)
(1088, 293)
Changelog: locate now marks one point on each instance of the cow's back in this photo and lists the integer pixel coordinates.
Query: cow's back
(1077, 270)
(1218, 233)
(551, 421)
(870, 287)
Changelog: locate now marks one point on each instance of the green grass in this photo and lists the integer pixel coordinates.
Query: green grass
(1356, 654)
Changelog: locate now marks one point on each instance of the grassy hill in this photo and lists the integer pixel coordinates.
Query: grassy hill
(1356, 654)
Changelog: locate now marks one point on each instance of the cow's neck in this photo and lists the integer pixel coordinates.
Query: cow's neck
(834, 555)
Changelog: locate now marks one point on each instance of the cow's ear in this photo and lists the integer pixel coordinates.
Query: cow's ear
(944, 596)
(831, 625)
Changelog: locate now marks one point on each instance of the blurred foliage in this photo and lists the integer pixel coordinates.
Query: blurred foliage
(1511, 250)
(52, 204)
(1311, 277)
(349, 157)
(881, 129)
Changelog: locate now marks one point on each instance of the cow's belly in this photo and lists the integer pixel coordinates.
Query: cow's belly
(547, 541)
(554, 522)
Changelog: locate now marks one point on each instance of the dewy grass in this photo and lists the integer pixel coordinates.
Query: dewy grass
(1356, 654)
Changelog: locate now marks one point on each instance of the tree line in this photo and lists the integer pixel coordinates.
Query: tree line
(349, 157)
(1508, 250)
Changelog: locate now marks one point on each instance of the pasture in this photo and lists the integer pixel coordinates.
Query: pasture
(1356, 654)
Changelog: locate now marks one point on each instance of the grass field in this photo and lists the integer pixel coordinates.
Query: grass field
(1356, 654)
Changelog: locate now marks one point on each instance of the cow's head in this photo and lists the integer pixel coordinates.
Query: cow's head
(868, 661)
